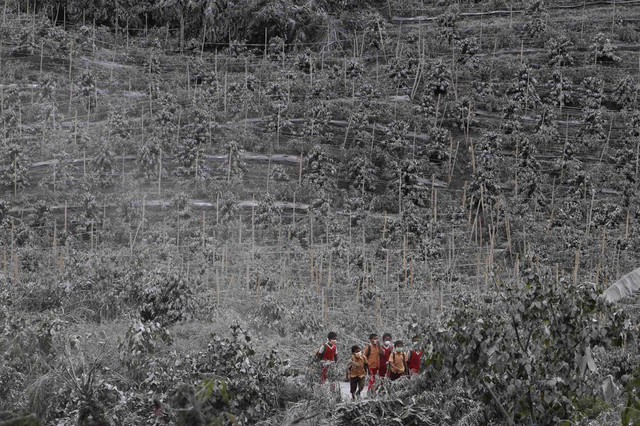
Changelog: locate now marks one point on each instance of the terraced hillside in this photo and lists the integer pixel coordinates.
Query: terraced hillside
(171, 169)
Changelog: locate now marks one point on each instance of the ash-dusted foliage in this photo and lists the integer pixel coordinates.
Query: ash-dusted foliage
(530, 346)
(166, 297)
(236, 386)
(415, 406)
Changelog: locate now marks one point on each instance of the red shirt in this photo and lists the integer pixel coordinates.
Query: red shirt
(415, 360)
(386, 353)
(330, 352)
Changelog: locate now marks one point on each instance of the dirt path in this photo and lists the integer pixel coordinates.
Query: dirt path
(346, 391)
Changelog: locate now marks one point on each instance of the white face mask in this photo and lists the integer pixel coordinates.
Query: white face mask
(387, 343)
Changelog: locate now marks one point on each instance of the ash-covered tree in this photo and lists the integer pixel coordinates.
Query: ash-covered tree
(316, 124)
(466, 50)
(439, 80)
(234, 165)
(528, 175)
(228, 208)
(603, 51)
(88, 221)
(41, 215)
(560, 90)
(86, 87)
(536, 15)
(484, 189)
(464, 113)
(523, 91)
(11, 117)
(560, 49)
(49, 104)
(119, 128)
(167, 115)
(16, 167)
(592, 92)
(447, 24)
(511, 117)
(320, 168)
(396, 141)
(373, 26)
(401, 72)
(104, 164)
(426, 108)
(190, 158)
(406, 183)
(546, 129)
(592, 132)
(436, 148)
(149, 158)
(362, 174)
(357, 207)
(234, 384)
(167, 295)
(625, 93)
(626, 163)
(267, 215)
(279, 174)
(61, 175)
(277, 108)
(530, 348)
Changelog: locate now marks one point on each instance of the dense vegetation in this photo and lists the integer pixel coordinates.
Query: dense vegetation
(194, 193)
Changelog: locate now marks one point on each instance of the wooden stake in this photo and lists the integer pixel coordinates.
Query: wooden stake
(41, 55)
(160, 173)
(576, 266)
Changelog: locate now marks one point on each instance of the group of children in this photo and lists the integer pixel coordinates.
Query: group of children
(384, 359)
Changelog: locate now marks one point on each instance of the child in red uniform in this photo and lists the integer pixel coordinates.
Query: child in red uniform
(374, 353)
(328, 355)
(415, 356)
(387, 349)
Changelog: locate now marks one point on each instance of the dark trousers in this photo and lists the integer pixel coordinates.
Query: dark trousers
(395, 376)
(357, 384)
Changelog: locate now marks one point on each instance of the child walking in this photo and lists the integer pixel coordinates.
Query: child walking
(374, 353)
(357, 371)
(387, 349)
(415, 356)
(328, 355)
(398, 362)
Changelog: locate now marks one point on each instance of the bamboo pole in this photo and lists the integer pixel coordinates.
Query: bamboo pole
(324, 308)
(300, 171)
(4, 262)
(204, 230)
(41, 55)
(160, 173)
(404, 260)
(576, 266)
